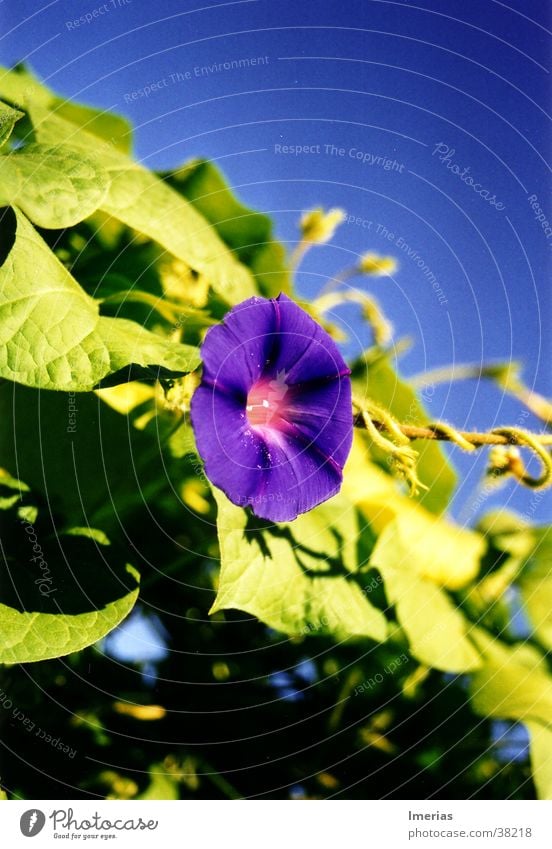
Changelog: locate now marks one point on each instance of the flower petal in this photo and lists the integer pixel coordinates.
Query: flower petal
(322, 415)
(305, 351)
(235, 353)
(299, 478)
(234, 455)
(272, 417)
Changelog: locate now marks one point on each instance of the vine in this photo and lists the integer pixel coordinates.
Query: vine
(394, 438)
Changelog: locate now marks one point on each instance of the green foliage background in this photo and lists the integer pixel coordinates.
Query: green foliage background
(364, 650)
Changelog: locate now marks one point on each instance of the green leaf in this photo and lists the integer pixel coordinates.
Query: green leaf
(512, 683)
(536, 584)
(374, 378)
(528, 550)
(11, 490)
(541, 758)
(240, 227)
(29, 636)
(58, 592)
(8, 119)
(22, 88)
(437, 631)
(507, 532)
(439, 550)
(73, 449)
(245, 231)
(269, 264)
(51, 332)
(55, 187)
(129, 343)
(300, 577)
(147, 204)
(106, 125)
(162, 785)
(136, 196)
(433, 548)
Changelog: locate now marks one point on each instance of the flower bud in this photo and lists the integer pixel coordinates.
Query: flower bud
(376, 265)
(318, 226)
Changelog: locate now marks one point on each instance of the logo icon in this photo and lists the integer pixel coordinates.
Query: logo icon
(32, 822)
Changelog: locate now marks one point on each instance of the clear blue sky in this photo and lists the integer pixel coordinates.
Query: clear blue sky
(374, 79)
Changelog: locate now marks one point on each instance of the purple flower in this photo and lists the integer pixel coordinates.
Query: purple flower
(272, 417)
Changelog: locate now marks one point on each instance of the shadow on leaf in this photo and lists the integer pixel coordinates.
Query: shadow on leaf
(42, 571)
(322, 564)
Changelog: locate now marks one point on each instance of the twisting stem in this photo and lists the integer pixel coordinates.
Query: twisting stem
(530, 440)
(378, 422)
(371, 311)
(390, 435)
(337, 280)
(298, 253)
(446, 433)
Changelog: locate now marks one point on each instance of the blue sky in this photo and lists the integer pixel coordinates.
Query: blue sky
(393, 80)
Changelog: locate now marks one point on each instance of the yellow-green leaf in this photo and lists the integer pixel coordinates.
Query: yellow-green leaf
(22, 88)
(435, 548)
(513, 682)
(143, 201)
(437, 631)
(297, 577)
(58, 593)
(244, 230)
(51, 333)
(541, 758)
(8, 119)
(55, 187)
(536, 584)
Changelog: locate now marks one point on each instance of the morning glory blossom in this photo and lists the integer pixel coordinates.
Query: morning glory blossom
(272, 416)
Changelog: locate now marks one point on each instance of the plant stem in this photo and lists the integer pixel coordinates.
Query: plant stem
(476, 439)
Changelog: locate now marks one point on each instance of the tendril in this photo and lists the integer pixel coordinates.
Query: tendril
(394, 439)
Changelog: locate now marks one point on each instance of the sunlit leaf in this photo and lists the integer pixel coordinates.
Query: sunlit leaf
(436, 548)
(8, 119)
(51, 331)
(55, 187)
(536, 585)
(437, 631)
(162, 785)
(541, 758)
(513, 682)
(104, 124)
(300, 577)
(147, 204)
(22, 88)
(528, 550)
(245, 231)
